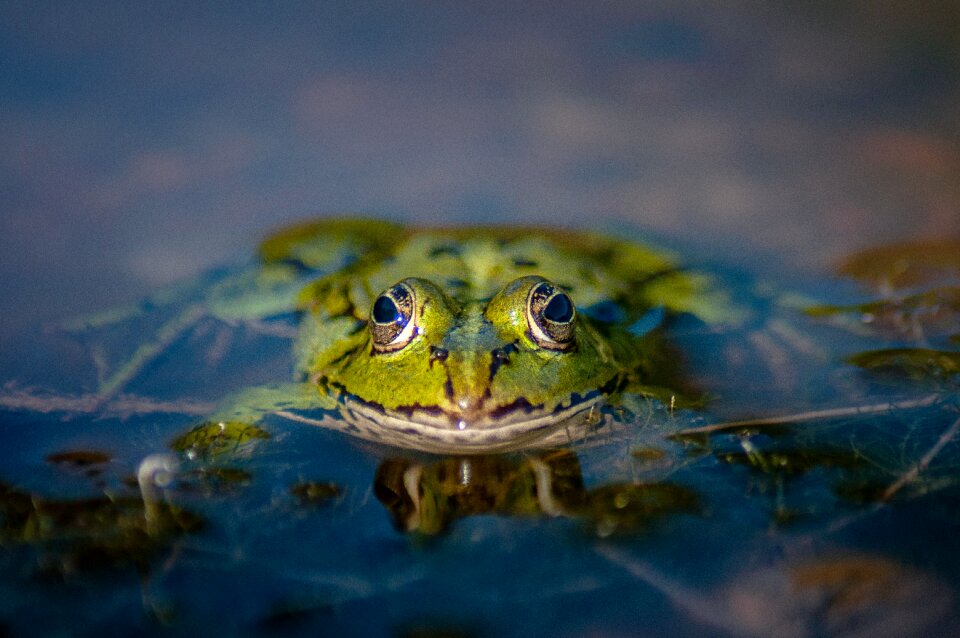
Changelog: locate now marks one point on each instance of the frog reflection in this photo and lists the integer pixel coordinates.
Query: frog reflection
(426, 498)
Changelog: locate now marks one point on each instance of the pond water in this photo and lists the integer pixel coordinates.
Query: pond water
(806, 159)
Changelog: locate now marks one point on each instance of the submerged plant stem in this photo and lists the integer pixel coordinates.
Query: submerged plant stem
(905, 479)
(914, 472)
(814, 415)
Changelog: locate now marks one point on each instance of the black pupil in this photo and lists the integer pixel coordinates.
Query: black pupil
(559, 309)
(385, 310)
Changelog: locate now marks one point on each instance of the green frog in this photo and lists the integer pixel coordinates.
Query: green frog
(460, 340)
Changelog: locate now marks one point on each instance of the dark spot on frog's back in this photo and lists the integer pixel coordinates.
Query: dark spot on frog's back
(444, 250)
(349, 354)
(523, 262)
(456, 282)
(358, 326)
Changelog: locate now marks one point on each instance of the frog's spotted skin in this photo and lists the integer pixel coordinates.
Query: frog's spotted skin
(482, 339)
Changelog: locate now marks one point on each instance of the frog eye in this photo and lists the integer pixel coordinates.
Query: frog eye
(550, 316)
(392, 321)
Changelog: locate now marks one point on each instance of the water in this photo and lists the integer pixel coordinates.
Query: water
(146, 145)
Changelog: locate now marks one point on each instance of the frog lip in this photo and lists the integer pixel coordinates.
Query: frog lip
(439, 432)
(431, 429)
(484, 427)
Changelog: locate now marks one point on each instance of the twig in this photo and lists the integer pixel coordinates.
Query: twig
(814, 415)
(94, 403)
(948, 435)
(906, 478)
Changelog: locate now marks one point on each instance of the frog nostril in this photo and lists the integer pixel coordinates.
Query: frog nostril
(438, 354)
(500, 357)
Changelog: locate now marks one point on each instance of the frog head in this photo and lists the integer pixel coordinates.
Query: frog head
(473, 373)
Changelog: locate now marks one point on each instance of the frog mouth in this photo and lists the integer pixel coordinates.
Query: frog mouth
(505, 428)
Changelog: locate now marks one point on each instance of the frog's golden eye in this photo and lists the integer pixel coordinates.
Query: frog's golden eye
(550, 317)
(392, 320)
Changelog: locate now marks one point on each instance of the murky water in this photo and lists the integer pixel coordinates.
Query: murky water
(147, 145)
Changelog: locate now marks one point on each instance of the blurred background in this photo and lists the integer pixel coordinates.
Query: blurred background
(146, 142)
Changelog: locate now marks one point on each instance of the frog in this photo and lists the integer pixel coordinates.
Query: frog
(473, 340)
(453, 340)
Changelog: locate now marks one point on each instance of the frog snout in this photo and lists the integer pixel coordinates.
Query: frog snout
(468, 384)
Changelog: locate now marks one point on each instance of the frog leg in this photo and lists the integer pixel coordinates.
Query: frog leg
(251, 405)
(185, 304)
(167, 334)
(187, 291)
(237, 422)
(247, 296)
